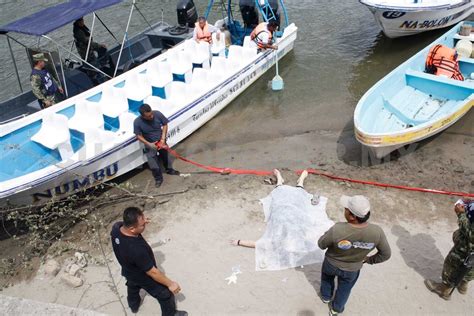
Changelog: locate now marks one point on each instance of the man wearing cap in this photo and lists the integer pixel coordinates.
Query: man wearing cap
(458, 268)
(43, 85)
(348, 244)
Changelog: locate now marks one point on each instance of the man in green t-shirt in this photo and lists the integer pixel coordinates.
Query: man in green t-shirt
(348, 245)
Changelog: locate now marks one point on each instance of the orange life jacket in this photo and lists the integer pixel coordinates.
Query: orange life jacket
(442, 60)
(261, 28)
(203, 34)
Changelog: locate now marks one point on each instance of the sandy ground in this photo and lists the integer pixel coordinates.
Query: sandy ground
(198, 224)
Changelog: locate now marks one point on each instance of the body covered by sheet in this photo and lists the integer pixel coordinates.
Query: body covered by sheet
(294, 226)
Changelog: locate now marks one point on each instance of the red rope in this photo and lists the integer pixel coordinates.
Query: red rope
(316, 172)
(386, 185)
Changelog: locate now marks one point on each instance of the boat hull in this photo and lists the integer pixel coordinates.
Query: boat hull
(382, 145)
(128, 154)
(405, 21)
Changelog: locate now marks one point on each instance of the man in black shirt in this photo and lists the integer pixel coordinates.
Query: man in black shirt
(139, 266)
(151, 128)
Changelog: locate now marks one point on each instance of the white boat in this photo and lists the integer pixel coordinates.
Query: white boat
(88, 138)
(408, 17)
(409, 105)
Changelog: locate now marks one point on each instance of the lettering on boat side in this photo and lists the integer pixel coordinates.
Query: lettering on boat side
(210, 106)
(224, 96)
(79, 183)
(242, 82)
(392, 14)
(175, 131)
(427, 24)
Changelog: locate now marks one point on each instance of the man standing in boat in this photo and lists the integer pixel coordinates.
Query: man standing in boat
(203, 31)
(262, 35)
(151, 128)
(43, 85)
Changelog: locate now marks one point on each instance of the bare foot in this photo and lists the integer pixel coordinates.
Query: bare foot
(302, 177)
(277, 174)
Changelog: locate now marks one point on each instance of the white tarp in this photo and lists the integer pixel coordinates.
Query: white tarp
(294, 226)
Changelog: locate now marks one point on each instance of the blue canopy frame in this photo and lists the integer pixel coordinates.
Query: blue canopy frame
(52, 18)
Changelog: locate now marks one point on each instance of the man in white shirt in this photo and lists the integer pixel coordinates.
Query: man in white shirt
(262, 35)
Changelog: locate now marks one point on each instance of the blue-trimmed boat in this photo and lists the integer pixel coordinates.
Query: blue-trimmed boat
(409, 105)
(88, 138)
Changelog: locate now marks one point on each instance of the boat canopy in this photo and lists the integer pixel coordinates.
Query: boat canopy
(52, 18)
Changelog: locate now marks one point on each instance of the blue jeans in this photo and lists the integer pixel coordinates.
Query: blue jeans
(345, 282)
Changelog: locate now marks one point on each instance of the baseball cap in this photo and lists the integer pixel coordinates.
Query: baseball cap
(39, 56)
(359, 205)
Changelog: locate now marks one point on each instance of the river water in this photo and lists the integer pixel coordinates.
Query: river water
(339, 54)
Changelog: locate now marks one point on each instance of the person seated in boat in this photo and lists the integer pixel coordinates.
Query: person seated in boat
(262, 35)
(151, 128)
(295, 220)
(43, 85)
(443, 61)
(203, 31)
(81, 37)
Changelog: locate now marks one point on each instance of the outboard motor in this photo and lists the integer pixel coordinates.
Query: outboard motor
(187, 14)
(249, 13)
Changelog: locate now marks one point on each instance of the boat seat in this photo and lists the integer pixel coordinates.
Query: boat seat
(200, 53)
(159, 104)
(112, 101)
(218, 45)
(466, 65)
(219, 64)
(137, 88)
(126, 122)
(54, 134)
(199, 82)
(181, 65)
(438, 86)
(199, 75)
(87, 114)
(159, 75)
(179, 94)
(235, 57)
(219, 70)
